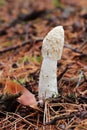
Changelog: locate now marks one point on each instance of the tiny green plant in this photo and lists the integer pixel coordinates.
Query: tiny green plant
(30, 59)
(23, 59)
(7, 44)
(2, 2)
(22, 80)
(57, 3)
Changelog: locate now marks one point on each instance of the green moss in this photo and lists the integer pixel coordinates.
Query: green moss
(30, 59)
(23, 59)
(21, 80)
(2, 2)
(7, 44)
(57, 3)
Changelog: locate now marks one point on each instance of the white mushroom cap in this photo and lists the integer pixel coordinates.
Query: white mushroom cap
(53, 44)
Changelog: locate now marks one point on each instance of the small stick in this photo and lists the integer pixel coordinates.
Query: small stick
(85, 77)
(83, 44)
(45, 114)
(64, 71)
(74, 50)
(78, 114)
(53, 122)
(78, 83)
(31, 16)
(19, 46)
(79, 79)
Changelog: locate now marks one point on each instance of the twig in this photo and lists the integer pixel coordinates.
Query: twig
(64, 71)
(22, 17)
(38, 40)
(83, 98)
(73, 79)
(85, 77)
(19, 46)
(15, 47)
(83, 44)
(78, 114)
(74, 50)
(45, 114)
(53, 122)
(79, 79)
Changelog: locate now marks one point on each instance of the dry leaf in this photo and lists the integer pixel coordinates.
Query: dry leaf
(27, 98)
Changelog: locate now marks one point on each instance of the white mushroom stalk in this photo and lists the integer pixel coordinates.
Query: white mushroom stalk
(51, 51)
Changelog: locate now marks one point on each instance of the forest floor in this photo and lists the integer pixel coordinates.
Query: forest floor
(23, 25)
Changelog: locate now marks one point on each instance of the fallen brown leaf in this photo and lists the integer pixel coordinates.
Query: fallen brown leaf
(27, 98)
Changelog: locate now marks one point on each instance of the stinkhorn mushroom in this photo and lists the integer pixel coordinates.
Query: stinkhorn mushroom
(51, 52)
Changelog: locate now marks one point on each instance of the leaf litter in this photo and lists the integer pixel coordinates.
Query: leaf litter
(22, 29)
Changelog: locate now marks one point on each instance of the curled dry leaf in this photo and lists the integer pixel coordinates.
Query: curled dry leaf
(27, 98)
